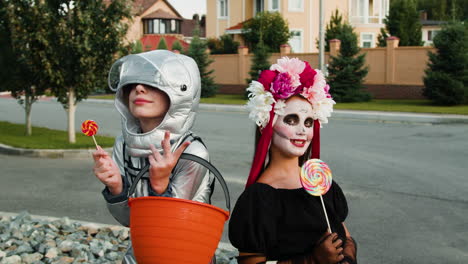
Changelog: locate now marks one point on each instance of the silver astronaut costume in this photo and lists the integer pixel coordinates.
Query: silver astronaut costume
(177, 76)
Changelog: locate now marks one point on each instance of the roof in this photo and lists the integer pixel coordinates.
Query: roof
(151, 41)
(432, 22)
(188, 25)
(140, 6)
(237, 26)
(162, 14)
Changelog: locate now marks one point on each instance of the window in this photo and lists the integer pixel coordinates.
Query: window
(296, 5)
(431, 34)
(274, 5)
(296, 40)
(367, 40)
(222, 8)
(259, 7)
(161, 26)
(368, 11)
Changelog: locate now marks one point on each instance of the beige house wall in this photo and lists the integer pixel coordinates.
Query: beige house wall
(307, 20)
(135, 29)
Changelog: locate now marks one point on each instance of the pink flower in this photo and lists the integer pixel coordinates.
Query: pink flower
(307, 76)
(292, 66)
(266, 78)
(327, 89)
(282, 87)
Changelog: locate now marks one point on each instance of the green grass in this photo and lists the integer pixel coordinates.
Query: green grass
(44, 138)
(411, 106)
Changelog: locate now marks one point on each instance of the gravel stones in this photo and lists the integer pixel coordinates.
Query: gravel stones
(24, 240)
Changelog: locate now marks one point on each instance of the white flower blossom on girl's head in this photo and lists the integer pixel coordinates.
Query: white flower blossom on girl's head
(279, 107)
(259, 104)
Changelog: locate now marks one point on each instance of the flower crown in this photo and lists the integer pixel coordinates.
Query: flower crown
(286, 78)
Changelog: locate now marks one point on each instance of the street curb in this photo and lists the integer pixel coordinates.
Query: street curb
(49, 153)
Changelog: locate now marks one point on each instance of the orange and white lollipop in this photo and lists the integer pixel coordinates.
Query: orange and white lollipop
(90, 128)
(316, 179)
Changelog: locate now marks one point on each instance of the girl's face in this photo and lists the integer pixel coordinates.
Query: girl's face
(293, 132)
(147, 103)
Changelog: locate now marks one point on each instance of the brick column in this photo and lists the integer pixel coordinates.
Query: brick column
(335, 45)
(242, 55)
(392, 44)
(285, 49)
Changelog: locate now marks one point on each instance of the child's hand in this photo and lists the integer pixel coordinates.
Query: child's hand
(107, 171)
(329, 250)
(162, 165)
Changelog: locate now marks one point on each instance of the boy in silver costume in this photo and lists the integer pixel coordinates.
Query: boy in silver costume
(157, 95)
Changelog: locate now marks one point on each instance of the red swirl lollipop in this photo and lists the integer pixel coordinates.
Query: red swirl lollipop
(90, 128)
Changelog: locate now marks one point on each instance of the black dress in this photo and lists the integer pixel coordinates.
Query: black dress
(284, 223)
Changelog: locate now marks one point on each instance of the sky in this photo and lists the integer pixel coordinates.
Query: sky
(189, 7)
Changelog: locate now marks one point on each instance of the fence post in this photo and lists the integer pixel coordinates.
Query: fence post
(392, 44)
(285, 49)
(242, 55)
(335, 45)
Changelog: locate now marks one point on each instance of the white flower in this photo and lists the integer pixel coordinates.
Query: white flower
(255, 88)
(259, 105)
(279, 107)
(322, 110)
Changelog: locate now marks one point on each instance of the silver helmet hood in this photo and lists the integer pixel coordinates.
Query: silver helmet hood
(176, 75)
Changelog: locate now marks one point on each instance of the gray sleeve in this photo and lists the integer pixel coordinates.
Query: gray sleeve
(191, 180)
(118, 205)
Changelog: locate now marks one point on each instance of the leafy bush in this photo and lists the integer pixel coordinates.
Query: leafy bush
(269, 26)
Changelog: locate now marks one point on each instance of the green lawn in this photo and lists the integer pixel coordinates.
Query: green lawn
(412, 106)
(44, 138)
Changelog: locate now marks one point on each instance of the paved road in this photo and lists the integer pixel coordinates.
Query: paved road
(406, 183)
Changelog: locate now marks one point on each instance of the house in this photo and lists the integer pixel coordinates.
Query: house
(153, 20)
(366, 16)
(429, 28)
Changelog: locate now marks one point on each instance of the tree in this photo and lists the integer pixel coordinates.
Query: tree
(446, 80)
(444, 10)
(347, 70)
(23, 31)
(403, 22)
(177, 46)
(136, 47)
(198, 51)
(224, 45)
(260, 62)
(162, 44)
(271, 25)
(84, 38)
(333, 29)
(382, 38)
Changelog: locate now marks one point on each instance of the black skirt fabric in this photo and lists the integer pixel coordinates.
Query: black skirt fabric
(283, 223)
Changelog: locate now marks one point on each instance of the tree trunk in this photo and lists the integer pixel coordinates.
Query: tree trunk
(71, 116)
(28, 101)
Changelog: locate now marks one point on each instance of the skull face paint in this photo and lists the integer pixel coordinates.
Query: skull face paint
(293, 132)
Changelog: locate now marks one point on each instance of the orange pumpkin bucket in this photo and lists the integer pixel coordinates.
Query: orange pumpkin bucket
(172, 230)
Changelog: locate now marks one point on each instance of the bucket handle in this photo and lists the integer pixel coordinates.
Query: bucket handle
(198, 160)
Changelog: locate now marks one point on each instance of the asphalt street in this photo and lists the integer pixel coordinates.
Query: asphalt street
(406, 183)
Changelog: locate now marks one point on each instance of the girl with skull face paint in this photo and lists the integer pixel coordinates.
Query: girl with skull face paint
(275, 220)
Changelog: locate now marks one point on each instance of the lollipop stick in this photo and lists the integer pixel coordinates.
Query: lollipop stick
(95, 142)
(326, 216)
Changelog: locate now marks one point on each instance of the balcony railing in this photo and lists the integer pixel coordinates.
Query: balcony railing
(367, 20)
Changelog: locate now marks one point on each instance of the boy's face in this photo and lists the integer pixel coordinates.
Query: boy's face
(147, 103)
